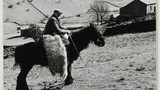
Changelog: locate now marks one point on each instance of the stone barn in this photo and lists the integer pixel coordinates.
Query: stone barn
(137, 8)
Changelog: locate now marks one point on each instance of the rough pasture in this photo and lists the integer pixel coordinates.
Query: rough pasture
(126, 62)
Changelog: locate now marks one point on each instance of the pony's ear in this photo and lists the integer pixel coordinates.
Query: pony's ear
(91, 24)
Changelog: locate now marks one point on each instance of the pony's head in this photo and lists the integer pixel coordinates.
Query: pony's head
(96, 36)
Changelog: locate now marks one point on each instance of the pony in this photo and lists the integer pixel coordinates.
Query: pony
(34, 53)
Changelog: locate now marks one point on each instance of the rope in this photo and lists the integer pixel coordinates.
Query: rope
(38, 9)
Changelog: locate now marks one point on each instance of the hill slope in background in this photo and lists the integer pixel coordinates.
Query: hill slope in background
(22, 12)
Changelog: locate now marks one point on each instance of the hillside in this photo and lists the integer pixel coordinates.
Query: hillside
(126, 62)
(23, 12)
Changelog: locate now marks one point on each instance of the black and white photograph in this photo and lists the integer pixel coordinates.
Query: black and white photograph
(79, 44)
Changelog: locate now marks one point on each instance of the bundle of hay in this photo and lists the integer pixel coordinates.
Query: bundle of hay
(56, 54)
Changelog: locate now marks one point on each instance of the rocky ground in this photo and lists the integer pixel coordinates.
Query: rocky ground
(126, 62)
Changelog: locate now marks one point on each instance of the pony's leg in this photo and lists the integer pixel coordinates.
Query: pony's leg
(21, 79)
(69, 79)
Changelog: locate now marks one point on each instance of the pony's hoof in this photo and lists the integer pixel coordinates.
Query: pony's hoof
(68, 82)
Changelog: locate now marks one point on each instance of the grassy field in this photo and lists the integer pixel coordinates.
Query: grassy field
(126, 62)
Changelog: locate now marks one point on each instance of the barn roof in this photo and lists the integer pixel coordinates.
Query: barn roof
(144, 1)
(148, 1)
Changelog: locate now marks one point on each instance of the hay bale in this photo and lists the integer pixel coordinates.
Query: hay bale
(56, 54)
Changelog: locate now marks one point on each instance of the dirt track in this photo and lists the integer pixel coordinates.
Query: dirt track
(126, 62)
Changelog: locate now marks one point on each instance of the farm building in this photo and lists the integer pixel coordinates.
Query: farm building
(136, 8)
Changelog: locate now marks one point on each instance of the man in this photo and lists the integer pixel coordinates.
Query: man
(53, 27)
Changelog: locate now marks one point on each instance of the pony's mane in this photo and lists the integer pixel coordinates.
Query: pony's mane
(77, 30)
(82, 37)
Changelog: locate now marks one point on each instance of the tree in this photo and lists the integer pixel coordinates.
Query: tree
(99, 10)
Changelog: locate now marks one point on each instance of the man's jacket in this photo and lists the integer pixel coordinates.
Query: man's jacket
(53, 27)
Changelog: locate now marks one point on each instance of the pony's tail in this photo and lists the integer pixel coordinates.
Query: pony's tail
(16, 56)
(16, 59)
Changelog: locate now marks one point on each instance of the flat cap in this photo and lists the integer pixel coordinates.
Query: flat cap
(57, 11)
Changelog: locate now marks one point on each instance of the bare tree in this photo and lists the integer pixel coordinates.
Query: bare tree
(99, 10)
